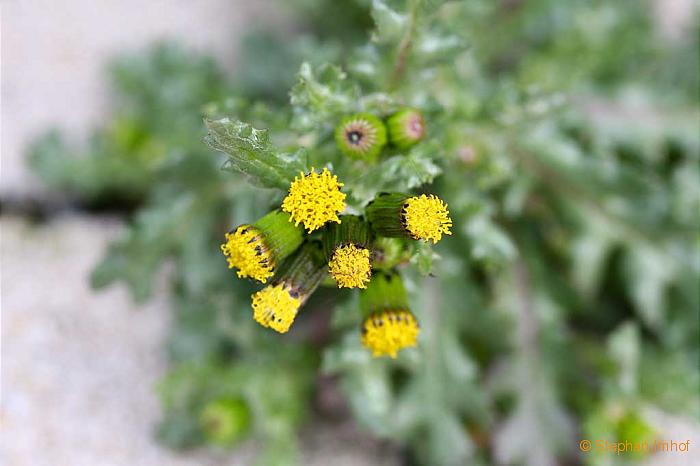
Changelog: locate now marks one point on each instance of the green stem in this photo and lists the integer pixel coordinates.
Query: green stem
(405, 45)
(304, 271)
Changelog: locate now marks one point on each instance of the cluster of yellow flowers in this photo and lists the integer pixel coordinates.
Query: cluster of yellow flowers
(276, 247)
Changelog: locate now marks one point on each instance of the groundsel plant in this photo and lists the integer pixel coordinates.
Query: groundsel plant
(555, 296)
(365, 166)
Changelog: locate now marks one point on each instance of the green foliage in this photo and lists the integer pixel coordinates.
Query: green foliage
(251, 153)
(157, 101)
(563, 137)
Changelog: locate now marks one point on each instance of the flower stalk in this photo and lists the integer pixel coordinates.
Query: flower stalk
(277, 305)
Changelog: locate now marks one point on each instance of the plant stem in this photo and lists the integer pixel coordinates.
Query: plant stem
(405, 46)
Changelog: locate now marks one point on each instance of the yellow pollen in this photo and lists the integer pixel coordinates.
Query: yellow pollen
(314, 199)
(388, 332)
(275, 307)
(246, 250)
(426, 217)
(350, 266)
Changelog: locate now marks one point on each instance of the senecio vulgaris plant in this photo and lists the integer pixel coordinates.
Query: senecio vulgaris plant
(298, 258)
(360, 169)
(566, 294)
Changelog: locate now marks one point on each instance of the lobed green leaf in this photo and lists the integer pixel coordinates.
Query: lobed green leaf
(251, 153)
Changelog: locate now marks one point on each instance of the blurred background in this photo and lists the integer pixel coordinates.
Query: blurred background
(100, 100)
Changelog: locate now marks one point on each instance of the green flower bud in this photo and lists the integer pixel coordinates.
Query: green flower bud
(225, 421)
(361, 136)
(406, 128)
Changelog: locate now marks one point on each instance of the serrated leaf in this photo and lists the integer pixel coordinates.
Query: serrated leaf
(490, 243)
(251, 153)
(650, 273)
(321, 95)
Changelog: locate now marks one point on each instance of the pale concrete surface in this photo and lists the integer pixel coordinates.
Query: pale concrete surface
(53, 54)
(79, 367)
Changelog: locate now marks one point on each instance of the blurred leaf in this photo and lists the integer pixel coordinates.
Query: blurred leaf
(624, 347)
(397, 173)
(650, 273)
(490, 243)
(390, 23)
(423, 257)
(138, 254)
(321, 95)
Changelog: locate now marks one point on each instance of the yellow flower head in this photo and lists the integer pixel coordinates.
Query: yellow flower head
(426, 217)
(246, 250)
(350, 266)
(275, 306)
(387, 332)
(314, 199)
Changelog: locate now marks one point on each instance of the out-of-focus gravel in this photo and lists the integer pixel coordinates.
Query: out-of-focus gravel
(79, 367)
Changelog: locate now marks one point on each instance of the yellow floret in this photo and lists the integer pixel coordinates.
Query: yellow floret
(388, 332)
(245, 249)
(426, 217)
(275, 307)
(350, 266)
(314, 199)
